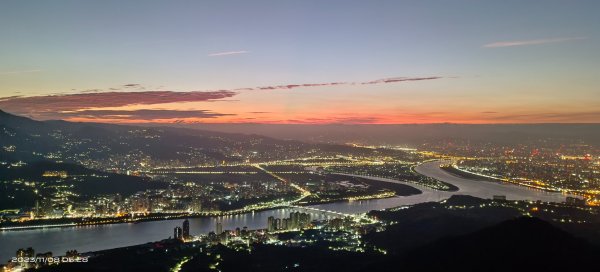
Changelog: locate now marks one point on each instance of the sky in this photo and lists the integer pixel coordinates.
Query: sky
(302, 62)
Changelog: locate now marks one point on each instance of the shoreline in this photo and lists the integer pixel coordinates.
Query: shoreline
(454, 170)
(166, 217)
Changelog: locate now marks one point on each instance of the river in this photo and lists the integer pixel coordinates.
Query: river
(92, 238)
(486, 189)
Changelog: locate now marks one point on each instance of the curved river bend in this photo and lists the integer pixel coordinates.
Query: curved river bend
(92, 238)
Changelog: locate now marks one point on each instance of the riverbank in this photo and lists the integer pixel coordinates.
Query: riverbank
(471, 175)
(398, 189)
(485, 189)
(97, 237)
(128, 219)
(80, 222)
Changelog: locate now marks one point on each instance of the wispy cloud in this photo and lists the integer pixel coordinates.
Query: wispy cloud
(399, 79)
(531, 42)
(377, 81)
(36, 106)
(19, 72)
(218, 54)
(592, 116)
(138, 115)
(294, 86)
(59, 106)
(348, 120)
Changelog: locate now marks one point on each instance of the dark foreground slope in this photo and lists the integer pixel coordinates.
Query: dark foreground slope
(523, 244)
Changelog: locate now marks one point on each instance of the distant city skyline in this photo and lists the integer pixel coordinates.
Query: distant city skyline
(308, 62)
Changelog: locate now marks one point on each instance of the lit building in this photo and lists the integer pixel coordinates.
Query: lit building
(295, 216)
(186, 229)
(57, 174)
(219, 228)
(178, 233)
(271, 224)
(296, 220)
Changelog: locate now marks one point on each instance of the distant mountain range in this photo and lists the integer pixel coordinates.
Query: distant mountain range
(26, 139)
(87, 143)
(415, 133)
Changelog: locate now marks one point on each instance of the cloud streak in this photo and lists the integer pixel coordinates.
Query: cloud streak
(547, 117)
(38, 105)
(228, 53)
(60, 106)
(138, 115)
(399, 79)
(378, 81)
(531, 42)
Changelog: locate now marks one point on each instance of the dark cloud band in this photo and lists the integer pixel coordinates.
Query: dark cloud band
(146, 115)
(64, 106)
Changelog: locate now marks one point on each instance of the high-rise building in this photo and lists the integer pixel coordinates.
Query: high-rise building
(186, 229)
(295, 216)
(178, 233)
(286, 224)
(304, 220)
(219, 228)
(271, 224)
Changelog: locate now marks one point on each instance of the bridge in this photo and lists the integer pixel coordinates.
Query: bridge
(354, 216)
(311, 209)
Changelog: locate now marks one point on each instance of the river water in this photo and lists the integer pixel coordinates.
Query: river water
(92, 238)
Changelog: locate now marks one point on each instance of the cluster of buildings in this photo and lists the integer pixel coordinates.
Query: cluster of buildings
(182, 233)
(578, 176)
(296, 220)
(238, 236)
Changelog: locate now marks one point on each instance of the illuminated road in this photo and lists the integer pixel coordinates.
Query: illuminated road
(303, 192)
(99, 237)
(320, 210)
(355, 216)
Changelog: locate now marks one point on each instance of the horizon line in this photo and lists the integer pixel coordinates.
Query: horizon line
(300, 124)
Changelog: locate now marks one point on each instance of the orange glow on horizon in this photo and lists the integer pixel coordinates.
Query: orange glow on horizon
(310, 121)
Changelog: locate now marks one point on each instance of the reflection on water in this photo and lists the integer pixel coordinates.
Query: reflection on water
(90, 238)
(487, 189)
